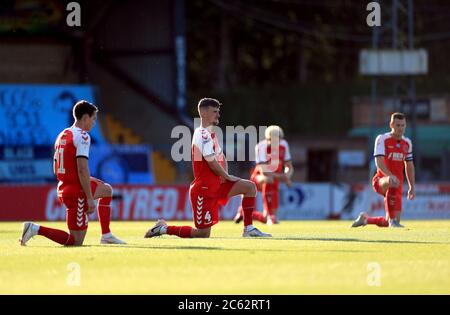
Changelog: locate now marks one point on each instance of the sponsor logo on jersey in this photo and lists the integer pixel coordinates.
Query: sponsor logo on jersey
(396, 156)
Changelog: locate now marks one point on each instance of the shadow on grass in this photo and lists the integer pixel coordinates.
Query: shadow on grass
(178, 247)
(330, 239)
(206, 248)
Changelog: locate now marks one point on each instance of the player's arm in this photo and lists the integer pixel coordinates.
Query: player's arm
(84, 176)
(411, 177)
(83, 143)
(379, 154)
(410, 172)
(218, 169)
(379, 162)
(288, 169)
(203, 146)
(54, 162)
(225, 162)
(266, 175)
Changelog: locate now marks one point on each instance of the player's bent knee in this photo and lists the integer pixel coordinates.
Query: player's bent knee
(251, 188)
(108, 189)
(384, 183)
(202, 233)
(78, 237)
(103, 190)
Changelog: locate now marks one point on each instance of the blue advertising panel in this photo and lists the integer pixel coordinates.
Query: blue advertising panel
(34, 114)
(26, 164)
(122, 164)
(115, 164)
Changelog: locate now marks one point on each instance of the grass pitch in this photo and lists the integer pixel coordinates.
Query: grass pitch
(304, 257)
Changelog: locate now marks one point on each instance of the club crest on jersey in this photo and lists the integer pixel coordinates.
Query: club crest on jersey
(397, 145)
(405, 148)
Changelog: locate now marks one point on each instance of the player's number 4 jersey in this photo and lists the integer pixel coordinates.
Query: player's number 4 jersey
(205, 144)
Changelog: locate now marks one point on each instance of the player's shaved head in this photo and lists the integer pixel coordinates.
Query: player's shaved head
(83, 107)
(208, 102)
(397, 115)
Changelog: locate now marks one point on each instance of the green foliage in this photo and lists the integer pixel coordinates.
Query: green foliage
(307, 109)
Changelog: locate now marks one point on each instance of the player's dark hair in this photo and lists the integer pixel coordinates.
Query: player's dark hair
(83, 107)
(397, 115)
(207, 102)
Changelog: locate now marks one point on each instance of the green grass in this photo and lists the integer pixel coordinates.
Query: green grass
(304, 257)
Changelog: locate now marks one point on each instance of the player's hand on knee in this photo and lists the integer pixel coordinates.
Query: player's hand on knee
(393, 181)
(268, 179)
(91, 206)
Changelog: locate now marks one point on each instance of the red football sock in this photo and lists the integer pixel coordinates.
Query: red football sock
(380, 221)
(274, 219)
(390, 202)
(259, 216)
(248, 206)
(180, 231)
(104, 213)
(58, 236)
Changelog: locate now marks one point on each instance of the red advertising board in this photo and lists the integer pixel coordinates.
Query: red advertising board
(150, 202)
(135, 202)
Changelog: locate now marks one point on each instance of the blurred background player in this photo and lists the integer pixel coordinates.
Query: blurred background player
(212, 185)
(76, 189)
(393, 154)
(272, 167)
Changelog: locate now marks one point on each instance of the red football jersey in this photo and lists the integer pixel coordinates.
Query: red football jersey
(274, 160)
(71, 143)
(204, 144)
(395, 153)
(271, 161)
